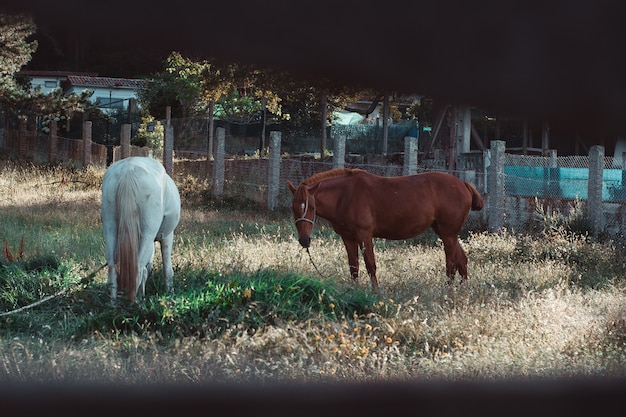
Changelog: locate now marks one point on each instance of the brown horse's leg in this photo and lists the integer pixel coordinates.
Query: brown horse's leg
(370, 262)
(352, 248)
(449, 251)
(456, 259)
(461, 262)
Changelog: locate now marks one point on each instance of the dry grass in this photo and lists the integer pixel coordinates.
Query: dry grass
(548, 307)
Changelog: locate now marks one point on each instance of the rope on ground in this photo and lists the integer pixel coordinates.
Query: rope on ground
(57, 294)
(315, 266)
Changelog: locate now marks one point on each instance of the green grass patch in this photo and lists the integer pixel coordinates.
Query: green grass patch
(206, 304)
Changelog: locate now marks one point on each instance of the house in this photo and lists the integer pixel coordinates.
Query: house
(108, 93)
(49, 81)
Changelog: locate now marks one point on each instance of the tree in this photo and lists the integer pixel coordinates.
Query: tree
(309, 103)
(190, 88)
(230, 91)
(243, 93)
(15, 52)
(177, 86)
(16, 95)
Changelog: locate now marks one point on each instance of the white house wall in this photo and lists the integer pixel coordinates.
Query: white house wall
(124, 95)
(44, 84)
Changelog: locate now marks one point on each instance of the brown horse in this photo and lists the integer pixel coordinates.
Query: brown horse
(361, 206)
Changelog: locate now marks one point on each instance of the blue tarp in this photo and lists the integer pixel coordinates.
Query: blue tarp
(561, 182)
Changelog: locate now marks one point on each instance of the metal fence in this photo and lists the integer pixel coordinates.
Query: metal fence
(535, 189)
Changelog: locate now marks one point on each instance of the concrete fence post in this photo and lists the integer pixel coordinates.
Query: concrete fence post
(87, 132)
(339, 152)
(218, 162)
(595, 212)
(168, 149)
(496, 198)
(410, 156)
(52, 143)
(168, 142)
(125, 140)
(274, 171)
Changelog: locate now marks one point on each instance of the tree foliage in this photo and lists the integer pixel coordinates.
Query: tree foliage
(241, 93)
(177, 86)
(16, 95)
(188, 87)
(15, 52)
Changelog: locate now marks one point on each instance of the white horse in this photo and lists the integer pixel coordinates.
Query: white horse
(140, 205)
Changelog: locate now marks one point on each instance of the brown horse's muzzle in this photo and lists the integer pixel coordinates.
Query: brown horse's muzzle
(305, 241)
(304, 227)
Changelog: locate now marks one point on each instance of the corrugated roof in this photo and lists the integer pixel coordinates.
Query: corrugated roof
(104, 82)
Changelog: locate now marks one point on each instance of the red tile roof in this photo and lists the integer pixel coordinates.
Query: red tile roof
(104, 82)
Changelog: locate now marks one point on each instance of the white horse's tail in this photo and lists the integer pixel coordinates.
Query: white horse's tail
(128, 235)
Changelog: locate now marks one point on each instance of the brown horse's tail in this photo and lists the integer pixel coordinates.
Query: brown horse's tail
(128, 235)
(477, 199)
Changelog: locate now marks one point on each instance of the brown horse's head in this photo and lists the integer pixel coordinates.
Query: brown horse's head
(303, 207)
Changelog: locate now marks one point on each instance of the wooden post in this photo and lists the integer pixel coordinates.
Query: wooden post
(545, 138)
(211, 129)
(525, 137)
(324, 104)
(263, 121)
(87, 131)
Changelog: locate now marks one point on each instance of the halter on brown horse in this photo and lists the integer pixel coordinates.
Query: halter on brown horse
(361, 206)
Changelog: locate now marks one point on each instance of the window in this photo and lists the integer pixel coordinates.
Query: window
(50, 84)
(110, 103)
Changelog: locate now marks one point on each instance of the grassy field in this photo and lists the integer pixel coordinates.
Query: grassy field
(248, 305)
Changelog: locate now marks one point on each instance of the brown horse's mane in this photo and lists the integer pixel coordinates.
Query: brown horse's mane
(333, 173)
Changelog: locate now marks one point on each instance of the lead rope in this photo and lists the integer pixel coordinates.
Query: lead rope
(58, 293)
(315, 266)
(304, 219)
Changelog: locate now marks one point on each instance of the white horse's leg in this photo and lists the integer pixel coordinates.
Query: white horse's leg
(144, 259)
(112, 277)
(110, 236)
(166, 253)
(112, 281)
(144, 274)
(141, 282)
(150, 264)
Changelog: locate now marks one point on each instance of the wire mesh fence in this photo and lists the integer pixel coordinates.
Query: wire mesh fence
(543, 191)
(538, 190)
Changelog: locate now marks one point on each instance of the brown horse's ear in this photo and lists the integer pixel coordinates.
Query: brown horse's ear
(291, 187)
(314, 188)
